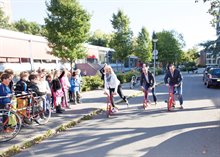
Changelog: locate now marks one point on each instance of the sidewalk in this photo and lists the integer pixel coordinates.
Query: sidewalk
(91, 101)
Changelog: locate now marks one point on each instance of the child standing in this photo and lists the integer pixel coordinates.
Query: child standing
(75, 88)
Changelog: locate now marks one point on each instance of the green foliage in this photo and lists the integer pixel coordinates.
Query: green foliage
(213, 46)
(67, 26)
(190, 55)
(91, 83)
(169, 47)
(143, 48)
(99, 38)
(158, 71)
(28, 27)
(4, 23)
(122, 39)
(126, 77)
(213, 10)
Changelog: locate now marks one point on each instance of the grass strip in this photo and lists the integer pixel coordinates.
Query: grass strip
(49, 133)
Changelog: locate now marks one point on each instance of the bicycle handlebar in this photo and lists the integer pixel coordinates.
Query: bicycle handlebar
(22, 95)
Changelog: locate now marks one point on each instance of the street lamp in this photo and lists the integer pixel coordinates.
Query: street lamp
(155, 52)
(31, 55)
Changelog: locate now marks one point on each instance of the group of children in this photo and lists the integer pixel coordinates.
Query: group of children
(57, 87)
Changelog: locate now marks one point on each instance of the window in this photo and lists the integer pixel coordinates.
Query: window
(25, 60)
(3, 60)
(37, 60)
(13, 60)
(48, 61)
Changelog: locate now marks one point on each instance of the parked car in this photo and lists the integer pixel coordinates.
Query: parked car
(212, 78)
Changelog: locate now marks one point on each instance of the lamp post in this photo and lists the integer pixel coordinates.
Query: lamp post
(31, 55)
(155, 52)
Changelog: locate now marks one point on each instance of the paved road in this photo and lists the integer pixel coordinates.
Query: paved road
(133, 132)
(92, 100)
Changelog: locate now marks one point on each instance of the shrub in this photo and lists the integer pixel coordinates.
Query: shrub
(91, 83)
(126, 77)
(158, 71)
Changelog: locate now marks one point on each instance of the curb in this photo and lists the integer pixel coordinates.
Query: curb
(17, 148)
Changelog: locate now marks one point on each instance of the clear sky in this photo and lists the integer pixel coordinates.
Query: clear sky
(184, 16)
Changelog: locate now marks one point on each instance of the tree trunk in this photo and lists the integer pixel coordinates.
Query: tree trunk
(122, 67)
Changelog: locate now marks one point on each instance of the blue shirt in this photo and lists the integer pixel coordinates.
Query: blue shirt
(4, 90)
(75, 84)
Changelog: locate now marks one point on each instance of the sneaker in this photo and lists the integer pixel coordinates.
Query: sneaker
(42, 116)
(70, 101)
(114, 109)
(68, 107)
(59, 111)
(27, 121)
(126, 101)
(181, 107)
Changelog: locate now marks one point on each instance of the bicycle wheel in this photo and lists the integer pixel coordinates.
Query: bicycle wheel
(10, 125)
(41, 112)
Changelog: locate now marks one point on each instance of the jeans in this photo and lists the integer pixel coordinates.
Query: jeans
(179, 93)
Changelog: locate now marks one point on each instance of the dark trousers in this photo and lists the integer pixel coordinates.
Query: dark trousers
(120, 93)
(111, 91)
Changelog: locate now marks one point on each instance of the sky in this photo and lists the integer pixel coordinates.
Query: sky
(184, 16)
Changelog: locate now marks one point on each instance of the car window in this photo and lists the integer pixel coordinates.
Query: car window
(216, 72)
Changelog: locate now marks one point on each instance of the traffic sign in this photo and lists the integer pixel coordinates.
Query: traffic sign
(155, 52)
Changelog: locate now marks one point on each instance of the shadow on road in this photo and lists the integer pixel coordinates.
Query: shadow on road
(98, 143)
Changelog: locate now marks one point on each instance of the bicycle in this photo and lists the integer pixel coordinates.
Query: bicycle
(10, 122)
(35, 109)
(145, 101)
(171, 99)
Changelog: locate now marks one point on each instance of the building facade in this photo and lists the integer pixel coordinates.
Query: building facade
(20, 51)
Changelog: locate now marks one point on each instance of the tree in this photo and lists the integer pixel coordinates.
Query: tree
(4, 21)
(169, 47)
(122, 38)
(28, 27)
(191, 55)
(213, 46)
(213, 10)
(100, 38)
(143, 47)
(67, 28)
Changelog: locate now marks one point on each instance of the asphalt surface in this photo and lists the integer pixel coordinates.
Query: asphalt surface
(91, 101)
(134, 132)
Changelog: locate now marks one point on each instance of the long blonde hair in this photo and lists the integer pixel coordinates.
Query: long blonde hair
(108, 69)
(55, 75)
